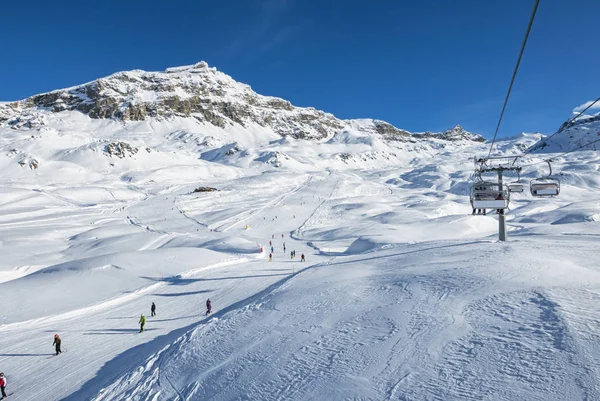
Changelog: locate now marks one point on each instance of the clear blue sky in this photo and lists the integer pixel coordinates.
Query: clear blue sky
(420, 64)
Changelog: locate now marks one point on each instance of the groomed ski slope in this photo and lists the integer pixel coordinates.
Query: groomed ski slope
(404, 295)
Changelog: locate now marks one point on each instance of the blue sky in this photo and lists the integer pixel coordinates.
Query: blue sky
(420, 65)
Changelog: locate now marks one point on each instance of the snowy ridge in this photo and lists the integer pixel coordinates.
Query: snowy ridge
(579, 134)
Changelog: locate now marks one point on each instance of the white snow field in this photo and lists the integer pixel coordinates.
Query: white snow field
(404, 294)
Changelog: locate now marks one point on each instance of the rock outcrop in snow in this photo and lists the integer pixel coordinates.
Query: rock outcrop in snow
(455, 134)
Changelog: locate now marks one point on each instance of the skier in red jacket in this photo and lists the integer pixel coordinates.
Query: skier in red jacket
(3, 384)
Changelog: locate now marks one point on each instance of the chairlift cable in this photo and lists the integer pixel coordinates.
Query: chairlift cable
(537, 2)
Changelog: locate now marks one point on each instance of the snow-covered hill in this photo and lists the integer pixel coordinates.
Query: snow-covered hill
(580, 134)
(404, 295)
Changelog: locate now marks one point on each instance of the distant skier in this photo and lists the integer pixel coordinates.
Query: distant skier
(153, 310)
(272, 250)
(291, 254)
(270, 257)
(56, 344)
(272, 236)
(302, 258)
(281, 235)
(270, 243)
(284, 247)
(3, 385)
(208, 307)
(142, 322)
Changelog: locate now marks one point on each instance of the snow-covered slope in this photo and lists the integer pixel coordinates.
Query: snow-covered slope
(104, 209)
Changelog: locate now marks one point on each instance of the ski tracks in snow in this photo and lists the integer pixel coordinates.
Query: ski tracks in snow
(144, 382)
(227, 224)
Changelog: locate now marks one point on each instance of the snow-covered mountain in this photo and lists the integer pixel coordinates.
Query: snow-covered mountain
(172, 187)
(199, 92)
(196, 112)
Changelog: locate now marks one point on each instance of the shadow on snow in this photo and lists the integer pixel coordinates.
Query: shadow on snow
(132, 357)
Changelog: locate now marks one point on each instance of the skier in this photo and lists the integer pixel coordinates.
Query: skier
(270, 257)
(3, 385)
(272, 250)
(208, 307)
(142, 322)
(56, 344)
(270, 243)
(291, 254)
(284, 247)
(302, 258)
(153, 309)
(281, 235)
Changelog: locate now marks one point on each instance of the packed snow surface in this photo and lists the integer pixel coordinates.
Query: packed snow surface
(403, 295)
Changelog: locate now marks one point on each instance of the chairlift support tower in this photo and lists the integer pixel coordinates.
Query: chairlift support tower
(500, 171)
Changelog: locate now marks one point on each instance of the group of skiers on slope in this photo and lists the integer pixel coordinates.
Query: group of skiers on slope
(292, 253)
(142, 321)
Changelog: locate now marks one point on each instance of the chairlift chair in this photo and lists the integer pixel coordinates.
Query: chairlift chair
(489, 195)
(516, 186)
(545, 187)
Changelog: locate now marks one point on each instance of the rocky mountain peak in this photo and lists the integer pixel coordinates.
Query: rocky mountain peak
(196, 91)
(457, 133)
(204, 94)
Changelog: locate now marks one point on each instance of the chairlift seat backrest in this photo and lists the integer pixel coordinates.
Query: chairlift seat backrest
(544, 187)
(516, 187)
(489, 196)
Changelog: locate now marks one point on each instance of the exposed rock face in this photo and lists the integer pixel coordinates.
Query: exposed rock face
(195, 91)
(205, 189)
(120, 149)
(202, 93)
(29, 162)
(454, 134)
(389, 132)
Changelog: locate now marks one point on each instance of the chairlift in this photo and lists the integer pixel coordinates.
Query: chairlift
(489, 195)
(545, 187)
(516, 186)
